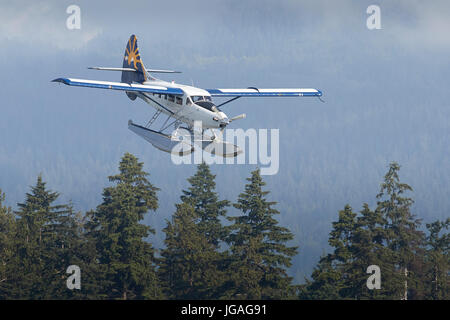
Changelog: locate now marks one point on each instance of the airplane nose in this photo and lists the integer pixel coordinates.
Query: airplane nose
(224, 122)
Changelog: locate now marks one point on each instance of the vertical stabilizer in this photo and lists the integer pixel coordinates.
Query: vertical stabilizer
(132, 59)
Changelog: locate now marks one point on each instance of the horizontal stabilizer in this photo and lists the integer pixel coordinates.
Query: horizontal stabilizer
(133, 70)
(162, 71)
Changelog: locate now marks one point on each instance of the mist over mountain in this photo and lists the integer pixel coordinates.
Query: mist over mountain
(386, 99)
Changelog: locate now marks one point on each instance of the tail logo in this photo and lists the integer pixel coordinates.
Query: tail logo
(132, 59)
(132, 53)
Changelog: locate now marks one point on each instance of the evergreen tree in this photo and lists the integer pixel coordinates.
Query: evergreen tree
(86, 257)
(204, 276)
(126, 259)
(341, 239)
(436, 274)
(44, 246)
(188, 265)
(403, 237)
(260, 255)
(201, 195)
(7, 237)
(326, 282)
(368, 249)
(335, 275)
(388, 237)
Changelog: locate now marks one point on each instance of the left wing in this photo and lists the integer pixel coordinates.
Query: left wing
(120, 86)
(255, 92)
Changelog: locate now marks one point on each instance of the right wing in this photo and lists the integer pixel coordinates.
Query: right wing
(119, 86)
(255, 92)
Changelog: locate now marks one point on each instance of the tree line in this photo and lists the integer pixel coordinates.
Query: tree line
(208, 253)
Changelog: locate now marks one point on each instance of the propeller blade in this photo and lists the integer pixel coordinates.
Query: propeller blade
(241, 116)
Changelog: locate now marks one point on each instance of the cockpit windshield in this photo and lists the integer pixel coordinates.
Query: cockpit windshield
(204, 102)
(200, 98)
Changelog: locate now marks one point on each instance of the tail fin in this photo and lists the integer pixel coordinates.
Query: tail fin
(132, 59)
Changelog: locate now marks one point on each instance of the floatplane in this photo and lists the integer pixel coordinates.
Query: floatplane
(182, 104)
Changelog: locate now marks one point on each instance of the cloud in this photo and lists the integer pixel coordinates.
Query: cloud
(43, 24)
(426, 25)
(231, 29)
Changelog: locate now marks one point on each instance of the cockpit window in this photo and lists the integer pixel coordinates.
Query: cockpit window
(200, 98)
(204, 102)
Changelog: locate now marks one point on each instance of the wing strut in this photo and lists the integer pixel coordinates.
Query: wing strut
(155, 116)
(228, 101)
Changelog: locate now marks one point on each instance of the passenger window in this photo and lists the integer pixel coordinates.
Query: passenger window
(171, 98)
(179, 100)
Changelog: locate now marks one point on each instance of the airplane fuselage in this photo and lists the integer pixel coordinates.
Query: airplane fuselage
(195, 105)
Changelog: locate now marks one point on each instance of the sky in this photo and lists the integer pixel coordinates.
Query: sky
(386, 99)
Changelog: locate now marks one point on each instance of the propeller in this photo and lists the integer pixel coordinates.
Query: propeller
(241, 116)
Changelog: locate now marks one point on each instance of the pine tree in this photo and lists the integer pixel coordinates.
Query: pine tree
(335, 275)
(44, 246)
(368, 249)
(260, 255)
(7, 236)
(326, 282)
(202, 209)
(341, 239)
(403, 237)
(388, 237)
(188, 266)
(201, 195)
(86, 257)
(126, 259)
(436, 275)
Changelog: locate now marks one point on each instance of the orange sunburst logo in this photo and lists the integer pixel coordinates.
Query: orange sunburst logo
(133, 53)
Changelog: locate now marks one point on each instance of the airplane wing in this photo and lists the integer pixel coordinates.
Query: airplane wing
(255, 92)
(119, 86)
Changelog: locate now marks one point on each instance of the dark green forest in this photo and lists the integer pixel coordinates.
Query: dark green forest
(210, 254)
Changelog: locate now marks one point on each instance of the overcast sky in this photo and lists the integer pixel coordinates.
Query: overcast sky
(204, 24)
(386, 94)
